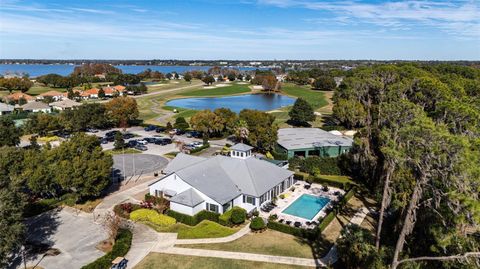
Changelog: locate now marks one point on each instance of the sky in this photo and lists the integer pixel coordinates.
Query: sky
(242, 29)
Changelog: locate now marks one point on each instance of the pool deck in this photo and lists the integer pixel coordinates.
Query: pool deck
(292, 196)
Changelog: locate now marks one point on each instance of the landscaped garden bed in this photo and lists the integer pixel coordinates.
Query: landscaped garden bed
(122, 245)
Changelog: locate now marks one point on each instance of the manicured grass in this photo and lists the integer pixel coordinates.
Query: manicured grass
(125, 151)
(217, 91)
(339, 179)
(315, 98)
(205, 229)
(39, 89)
(158, 260)
(269, 242)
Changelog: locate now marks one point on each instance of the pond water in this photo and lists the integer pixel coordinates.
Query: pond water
(264, 102)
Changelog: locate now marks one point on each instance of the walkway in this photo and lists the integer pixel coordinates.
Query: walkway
(245, 230)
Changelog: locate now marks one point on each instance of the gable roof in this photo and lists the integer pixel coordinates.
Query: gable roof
(224, 178)
(189, 198)
(119, 88)
(35, 105)
(241, 147)
(17, 95)
(298, 138)
(65, 103)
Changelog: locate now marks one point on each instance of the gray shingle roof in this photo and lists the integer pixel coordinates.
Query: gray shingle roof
(188, 198)
(35, 105)
(65, 103)
(300, 138)
(241, 147)
(6, 107)
(182, 160)
(223, 178)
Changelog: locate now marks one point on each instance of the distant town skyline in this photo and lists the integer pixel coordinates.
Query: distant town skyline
(243, 30)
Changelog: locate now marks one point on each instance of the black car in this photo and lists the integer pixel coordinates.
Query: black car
(127, 135)
(150, 139)
(103, 140)
(179, 132)
(149, 128)
(160, 129)
(163, 141)
(111, 133)
(109, 138)
(132, 143)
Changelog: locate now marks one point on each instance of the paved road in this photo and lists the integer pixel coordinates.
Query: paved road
(127, 165)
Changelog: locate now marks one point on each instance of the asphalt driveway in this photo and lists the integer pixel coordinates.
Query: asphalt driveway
(74, 234)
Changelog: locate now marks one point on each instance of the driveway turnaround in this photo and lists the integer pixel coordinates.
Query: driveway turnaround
(73, 233)
(138, 164)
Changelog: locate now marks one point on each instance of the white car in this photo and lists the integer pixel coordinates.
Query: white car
(142, 142)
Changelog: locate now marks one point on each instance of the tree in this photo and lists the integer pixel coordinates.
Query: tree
(231, 77)
(126, 79)
(208, 80)
(9, 133)
(42, 123)
(101, 93)
(228, 118)
(169, 126)
(356, 249)
(122, 110)
(324, 83)
(119, 142)
(176, 75)
(16, 84)
(169, 76)
(82, 167)
(248, 77)
(187, 77)
(91, 115)
(301, 113)
(12, 202)
(206, 122)
(239, 77)
(181, 123)
(262, 129)
(241, 130)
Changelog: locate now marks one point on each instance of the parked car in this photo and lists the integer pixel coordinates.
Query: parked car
(109, 138)
(163, 141)
(103, 140)
(127, 135)
(150, 128)
(150, 139)
(160, 129)
(91, 130)
(179, 131)
(189, 134)
(142, 141)
(132, 143)
(141, 147)
(112, 133)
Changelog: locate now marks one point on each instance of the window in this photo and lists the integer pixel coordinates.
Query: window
(212, 207)
(249, 199)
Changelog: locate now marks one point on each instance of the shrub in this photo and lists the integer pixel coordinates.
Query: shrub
(282, 196)
(283, 228)
(120, 249)
(257, 224)
(194, 220)
(152, 216)
(326, 220)
(224, 219)
(322, 165)
(238, 215)
(273, 217)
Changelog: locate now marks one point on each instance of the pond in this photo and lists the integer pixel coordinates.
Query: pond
(263, 101)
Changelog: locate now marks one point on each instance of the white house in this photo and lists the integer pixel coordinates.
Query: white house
(6, 109)
(193, 184)
(64, 104)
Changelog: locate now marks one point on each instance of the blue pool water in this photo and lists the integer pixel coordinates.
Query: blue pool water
(306, 206)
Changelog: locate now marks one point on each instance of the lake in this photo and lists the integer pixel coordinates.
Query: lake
(35, 70)
(263, 101)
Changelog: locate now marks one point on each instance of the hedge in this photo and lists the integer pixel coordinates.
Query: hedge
(152, 216)
(120, 249)
(257, 224)
(308, 234)
(326, 220)
(194, 220)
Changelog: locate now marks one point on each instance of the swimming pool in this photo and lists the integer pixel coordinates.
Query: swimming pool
(306, 206)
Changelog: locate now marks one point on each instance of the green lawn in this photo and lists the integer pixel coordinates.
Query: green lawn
(315, 98)
(126, 151)
(269, 242)
(227, 90)
(158, 260)
(38, 89)
(205, 229)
